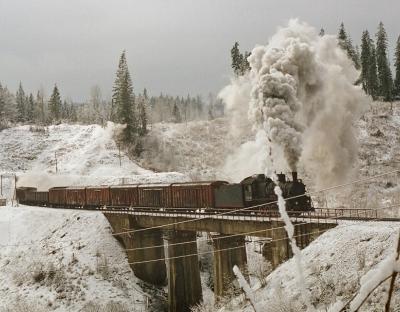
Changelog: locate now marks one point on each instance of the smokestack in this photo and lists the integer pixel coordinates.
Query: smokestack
(281, 177)
(294, 175)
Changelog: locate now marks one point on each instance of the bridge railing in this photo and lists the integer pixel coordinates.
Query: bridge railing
(319, 215)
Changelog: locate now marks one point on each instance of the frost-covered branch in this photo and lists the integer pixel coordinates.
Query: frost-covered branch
(246, 288)
(296, 250)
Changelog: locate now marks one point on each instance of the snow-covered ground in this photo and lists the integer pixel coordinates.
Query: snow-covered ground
(65, 260)
(86, 155)
(62, 260)
(333, 266)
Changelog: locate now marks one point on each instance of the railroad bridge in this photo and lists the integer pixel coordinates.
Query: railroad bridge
(162, 246)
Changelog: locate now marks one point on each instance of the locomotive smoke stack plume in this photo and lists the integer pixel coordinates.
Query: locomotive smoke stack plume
(294, 176)
(302, 101)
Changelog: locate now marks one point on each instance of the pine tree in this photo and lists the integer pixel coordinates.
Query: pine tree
(176, 114)
(245, 67)
(385, 79)
(72, 115)
(373, 71)
(8, 110)
(55, 104)
(142, 110)
(123, 99)
(322, 32)
(357, 57)
(342, 37)
(346, 44)
(21, 103)
(365, 60)
(40, 110)
(30, 109)
(397, 68)
(2, 107)
(237, 59)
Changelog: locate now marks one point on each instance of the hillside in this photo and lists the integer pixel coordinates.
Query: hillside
(85, 155)
(196, 150)
(200, 149)
(62, 260)
(49, 263)
(333, 266)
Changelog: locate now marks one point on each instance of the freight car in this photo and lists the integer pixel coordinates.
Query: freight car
(255, 191)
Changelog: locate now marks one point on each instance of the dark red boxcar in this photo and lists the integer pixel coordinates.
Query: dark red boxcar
(154, 195)
(76, 196)
(42, 198)
(22, 191)
(124, 195)
(97, 196)
(194, 195)
(30, 197)
(57, 196)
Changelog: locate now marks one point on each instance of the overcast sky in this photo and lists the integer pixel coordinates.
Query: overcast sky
(175, 47)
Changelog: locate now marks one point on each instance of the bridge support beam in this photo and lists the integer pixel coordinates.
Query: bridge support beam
(184, 285)
(228, 252)
(153, 272)
(280, 246)
(302, 234)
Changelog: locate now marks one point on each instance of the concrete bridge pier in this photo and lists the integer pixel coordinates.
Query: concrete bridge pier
(280, 246)
(228, 252)
(153, 272)
(302, 234)
(184, 285)
(119, 223)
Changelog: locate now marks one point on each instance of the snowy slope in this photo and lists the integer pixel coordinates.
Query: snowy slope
(62, 260)
(197, 148)
(85, 155)
(333, 266)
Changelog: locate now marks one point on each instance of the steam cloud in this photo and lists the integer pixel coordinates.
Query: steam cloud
(301, 101)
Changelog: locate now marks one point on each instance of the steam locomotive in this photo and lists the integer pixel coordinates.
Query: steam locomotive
(255, 191)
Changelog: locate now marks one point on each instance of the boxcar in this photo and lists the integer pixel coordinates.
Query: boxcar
(124, 195)
(57, 196)
(76, 196)
(42, 198)
(195, 195)
(229, 196)
(30, 197)
(154, 195)
(22, 191)
(97, 196)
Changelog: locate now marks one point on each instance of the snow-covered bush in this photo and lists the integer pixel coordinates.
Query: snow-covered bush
(111, 306)
(102, 267)
(24, 306)
(259, 268)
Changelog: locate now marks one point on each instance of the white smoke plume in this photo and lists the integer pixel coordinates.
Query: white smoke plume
(300, 93)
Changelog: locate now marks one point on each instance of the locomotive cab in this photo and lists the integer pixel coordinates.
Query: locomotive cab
(259, 189)
(256, 189)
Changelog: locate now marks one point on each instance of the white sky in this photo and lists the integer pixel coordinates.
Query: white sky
(175, 47)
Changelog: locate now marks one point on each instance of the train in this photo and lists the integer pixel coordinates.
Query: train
(254, 191)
